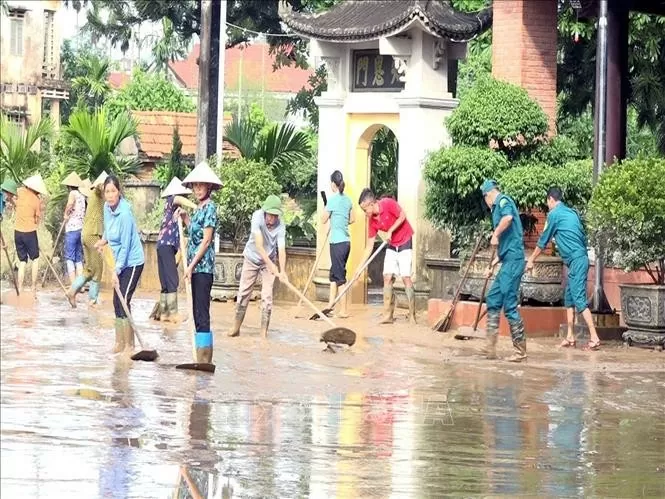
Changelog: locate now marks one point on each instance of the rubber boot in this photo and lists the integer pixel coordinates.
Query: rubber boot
(411, 298)
(74, 289)
(119, 336)
(333, 294)
(129, 335)
(93, 292)
(519, 341)
(388, 305)
(265, 322)
(163, 314)
(489, 351)
(203, 343)
(241, 310)
(171, 307)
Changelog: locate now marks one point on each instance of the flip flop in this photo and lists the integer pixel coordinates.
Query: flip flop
(567, 343)
(592, 346)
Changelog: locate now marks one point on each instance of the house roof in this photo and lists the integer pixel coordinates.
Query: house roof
(359, 20)
(155, 129)
(253, 63)
(118, 79)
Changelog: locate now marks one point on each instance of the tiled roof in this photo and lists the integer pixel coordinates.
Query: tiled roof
(360, 20)
(155, 130)
(253, 62)
(117, 79)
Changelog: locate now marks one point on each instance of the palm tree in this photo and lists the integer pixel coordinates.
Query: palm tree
(93, 87)
(19, 150)
(101, 136)
(169, 48)
(278, 146)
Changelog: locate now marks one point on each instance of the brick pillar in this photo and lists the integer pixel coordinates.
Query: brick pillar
(524, 49)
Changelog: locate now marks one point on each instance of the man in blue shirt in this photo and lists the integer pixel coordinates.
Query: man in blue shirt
(565, 226)
(508, 236)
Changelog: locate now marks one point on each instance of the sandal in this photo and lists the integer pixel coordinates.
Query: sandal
(566, 343)
(591, 345)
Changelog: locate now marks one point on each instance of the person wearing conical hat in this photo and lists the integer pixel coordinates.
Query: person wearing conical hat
(74, 213)
(267, 240)
(168, 244)
(91, 232)
(201, 253)
(7, 195)
(28, 216)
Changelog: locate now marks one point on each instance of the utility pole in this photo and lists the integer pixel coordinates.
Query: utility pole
(204, 82)
(220, 84)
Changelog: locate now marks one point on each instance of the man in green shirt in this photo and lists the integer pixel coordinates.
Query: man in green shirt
(565, 226)
(508, 236)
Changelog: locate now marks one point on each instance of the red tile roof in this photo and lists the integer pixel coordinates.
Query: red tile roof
(117, 80)
(256, 70)
(156, 132)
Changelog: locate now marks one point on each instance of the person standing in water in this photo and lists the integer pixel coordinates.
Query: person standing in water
(339, 210)
(201, 254)
(121, 234)
(92, 231)
(74, 213)
(28, 215)
(168, 244)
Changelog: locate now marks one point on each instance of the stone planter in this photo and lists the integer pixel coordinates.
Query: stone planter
(643, 309)
(542, 286)
(228, 267)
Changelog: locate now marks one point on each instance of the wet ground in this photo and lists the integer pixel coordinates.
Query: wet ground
(405, 413)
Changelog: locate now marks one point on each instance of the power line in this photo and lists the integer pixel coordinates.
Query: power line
(247, 30)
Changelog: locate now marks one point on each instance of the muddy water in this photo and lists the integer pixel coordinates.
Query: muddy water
(405, 413)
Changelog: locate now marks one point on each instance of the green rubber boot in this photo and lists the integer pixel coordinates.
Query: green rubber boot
(119, 336)
(237, 322)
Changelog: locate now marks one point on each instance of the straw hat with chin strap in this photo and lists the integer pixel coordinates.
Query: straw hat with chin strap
(85, 187)
(72, 180)
(100, 179)
(203, 174)
(36, 183)
(175, 188)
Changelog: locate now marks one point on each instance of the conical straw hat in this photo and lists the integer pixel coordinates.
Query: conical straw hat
(100, 180)
(36, 183)
(72, 180)
(9, 185)
(202, 173)
(84, 188)
(175, 188)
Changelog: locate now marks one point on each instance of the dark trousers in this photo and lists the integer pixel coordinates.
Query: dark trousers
(201, 286)
(167, 268)
(129, 279)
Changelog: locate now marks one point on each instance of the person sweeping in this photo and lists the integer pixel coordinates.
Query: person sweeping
(387, 216)
(339, 211)
(508, 235)
(122, 236)
(74, 213)
(91, 232)
(200, 268)
(168, 244)
(28, 214)
(267, 240)
(564, 225)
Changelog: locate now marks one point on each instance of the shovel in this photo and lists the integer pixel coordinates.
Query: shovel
(358, 273)
(195, 366)
(347, 334)
(48, 259)
(145, 355)
(11, 265)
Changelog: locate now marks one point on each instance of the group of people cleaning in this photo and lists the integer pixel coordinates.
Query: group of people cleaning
(97, 215)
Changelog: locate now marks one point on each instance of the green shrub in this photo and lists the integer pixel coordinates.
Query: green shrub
(627, 216)
(453, 200)
(246, 185)
(493, 110)
(528, 184)
(556, 152)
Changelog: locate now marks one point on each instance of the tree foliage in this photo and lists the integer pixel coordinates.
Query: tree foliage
(627, 216)
(19, 157)
(174, 166)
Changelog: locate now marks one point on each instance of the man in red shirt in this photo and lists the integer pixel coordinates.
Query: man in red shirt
(387, 216)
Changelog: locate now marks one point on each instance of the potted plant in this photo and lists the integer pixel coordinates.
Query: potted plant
(247, 183)
(627, 220)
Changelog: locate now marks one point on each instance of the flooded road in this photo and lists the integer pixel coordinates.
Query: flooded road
(406, 413)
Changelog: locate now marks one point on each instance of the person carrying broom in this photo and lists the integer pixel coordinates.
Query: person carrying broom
(91, 233)
(168, 244)
(200, 268)
(121, 234)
